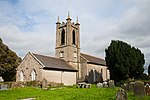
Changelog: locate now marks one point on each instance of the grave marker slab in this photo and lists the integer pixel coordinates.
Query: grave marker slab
(99, 85)
(3, 87)
(111, 84)
(105, 84)
(44, 83)
(147, 89)
(139, 89)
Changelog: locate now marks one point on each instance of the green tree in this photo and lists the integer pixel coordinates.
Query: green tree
(124, 61)
(149, 70)
(9, 61)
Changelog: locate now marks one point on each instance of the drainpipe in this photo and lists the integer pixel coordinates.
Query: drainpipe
(61, 76)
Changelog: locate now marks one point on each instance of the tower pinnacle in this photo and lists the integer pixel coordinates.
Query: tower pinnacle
(58, 19)
(68, 15)
(77, 20)
(77, 23)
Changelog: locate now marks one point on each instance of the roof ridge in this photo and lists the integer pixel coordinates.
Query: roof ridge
(92, 56)
(47, 56)
(40, 54)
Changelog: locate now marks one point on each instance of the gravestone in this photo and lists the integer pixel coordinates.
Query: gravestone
(3, 87)
(123, 86)
(44, 83)
(147, 89)
(99, 85)
(1, 79)
(127, 86)
(121, 95)
(111, 84)
(131, 86)
(139, 89)
(105, 84)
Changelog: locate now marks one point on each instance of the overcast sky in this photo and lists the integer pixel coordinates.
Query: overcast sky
(29, 25)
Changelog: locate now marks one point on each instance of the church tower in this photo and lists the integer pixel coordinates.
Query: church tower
(68, 42)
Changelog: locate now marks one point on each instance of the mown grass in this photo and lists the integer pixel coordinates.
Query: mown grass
(67, 93)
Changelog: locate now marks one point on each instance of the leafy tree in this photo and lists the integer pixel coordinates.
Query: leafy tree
(124, 61)
(9, 61)
(149, 70)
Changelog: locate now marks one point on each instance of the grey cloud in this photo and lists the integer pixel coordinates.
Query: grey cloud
(33, 23)
(135, 21)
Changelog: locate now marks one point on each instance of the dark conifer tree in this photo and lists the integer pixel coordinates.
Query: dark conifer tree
(149, 70)
(124, 61)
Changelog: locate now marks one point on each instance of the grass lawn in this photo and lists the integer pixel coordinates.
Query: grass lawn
(67, 93)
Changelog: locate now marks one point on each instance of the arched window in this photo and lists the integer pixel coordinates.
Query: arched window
(33, 75)
(63, 37)
(21, 76)
(73, 37)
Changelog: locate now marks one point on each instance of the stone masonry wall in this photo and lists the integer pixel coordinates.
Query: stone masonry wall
(28, 64)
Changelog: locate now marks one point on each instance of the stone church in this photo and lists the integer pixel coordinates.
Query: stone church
(69, 65)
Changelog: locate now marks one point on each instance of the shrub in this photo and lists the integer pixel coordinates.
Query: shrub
(33, 84)
(53, 84)
(17, 84)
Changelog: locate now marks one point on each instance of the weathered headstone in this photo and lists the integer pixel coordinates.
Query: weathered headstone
(121, 95)
(1, 79)
(139, 89)
(3, 87)
(87, 85)
(127, 86)
(131, 86)
(123, 86)
(147, 89)
(105, 84)
(44, 83)
(111, 84)
(99, 85)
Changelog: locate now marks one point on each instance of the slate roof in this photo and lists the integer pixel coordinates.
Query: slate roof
(94, 60)
(53, 63)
